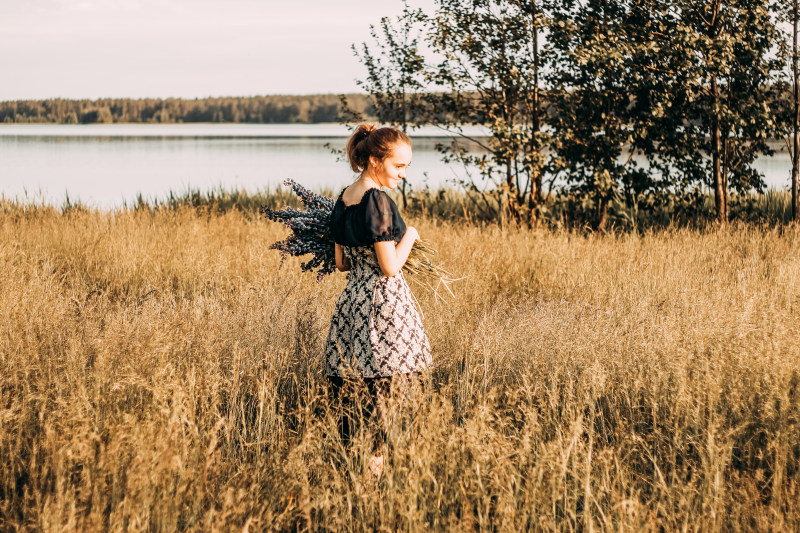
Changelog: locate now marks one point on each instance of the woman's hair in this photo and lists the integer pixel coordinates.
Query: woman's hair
(368, 141)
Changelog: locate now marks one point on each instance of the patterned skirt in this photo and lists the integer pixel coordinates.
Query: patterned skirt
(375, 331)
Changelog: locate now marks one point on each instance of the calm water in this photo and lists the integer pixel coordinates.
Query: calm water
(104, 165)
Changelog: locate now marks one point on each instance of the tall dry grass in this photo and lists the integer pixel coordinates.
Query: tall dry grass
(161, 371)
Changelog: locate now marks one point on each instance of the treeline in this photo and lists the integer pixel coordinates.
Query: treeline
(269, 109)
(633, 103)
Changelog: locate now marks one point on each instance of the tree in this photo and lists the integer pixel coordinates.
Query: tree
(394, 71)
(793, 16)
(601, 99)
(719, 57)
(788, 96)
(489, 69)
(484, 69)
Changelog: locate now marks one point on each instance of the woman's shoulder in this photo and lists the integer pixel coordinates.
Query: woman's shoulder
(379, 200)
(340, 197)
(338, 205)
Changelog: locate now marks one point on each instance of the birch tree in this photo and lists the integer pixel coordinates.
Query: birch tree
(793, 17)
(489, 60)
(721, 56)
(598, 84)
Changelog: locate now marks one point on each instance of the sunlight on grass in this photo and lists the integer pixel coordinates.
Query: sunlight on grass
(161, 370)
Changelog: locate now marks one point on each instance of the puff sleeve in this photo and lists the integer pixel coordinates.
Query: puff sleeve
(382, 218)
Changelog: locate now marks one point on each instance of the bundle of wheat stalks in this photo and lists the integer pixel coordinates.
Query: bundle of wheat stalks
(311, 235)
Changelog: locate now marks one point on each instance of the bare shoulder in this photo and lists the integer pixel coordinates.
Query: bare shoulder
(354, 194)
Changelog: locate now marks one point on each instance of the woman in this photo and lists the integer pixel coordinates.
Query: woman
(376, 335)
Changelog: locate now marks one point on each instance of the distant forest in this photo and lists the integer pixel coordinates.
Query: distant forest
(270, 109)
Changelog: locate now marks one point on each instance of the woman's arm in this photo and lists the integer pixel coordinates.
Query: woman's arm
(391, 258)
(341, 261)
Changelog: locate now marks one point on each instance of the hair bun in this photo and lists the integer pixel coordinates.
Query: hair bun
(363, 131)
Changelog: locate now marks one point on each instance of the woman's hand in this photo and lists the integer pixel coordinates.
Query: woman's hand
(413, 231)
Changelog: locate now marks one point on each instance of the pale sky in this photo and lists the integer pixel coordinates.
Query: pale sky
(183, 48)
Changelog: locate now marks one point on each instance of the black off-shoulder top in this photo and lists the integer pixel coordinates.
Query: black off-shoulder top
(375, 218)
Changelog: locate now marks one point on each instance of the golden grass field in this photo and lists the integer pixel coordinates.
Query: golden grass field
(161, 371)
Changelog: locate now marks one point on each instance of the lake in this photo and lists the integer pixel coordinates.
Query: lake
(105, 165)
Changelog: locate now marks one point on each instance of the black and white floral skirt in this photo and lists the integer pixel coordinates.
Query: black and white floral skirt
(375, 331)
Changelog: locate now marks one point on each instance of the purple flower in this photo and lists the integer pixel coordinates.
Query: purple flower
(310, 233)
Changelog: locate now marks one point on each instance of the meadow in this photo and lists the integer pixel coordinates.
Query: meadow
(160, 370)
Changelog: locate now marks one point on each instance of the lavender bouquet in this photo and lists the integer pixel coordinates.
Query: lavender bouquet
(310, 235)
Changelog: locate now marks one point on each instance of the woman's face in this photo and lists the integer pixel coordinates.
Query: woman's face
(391, 170)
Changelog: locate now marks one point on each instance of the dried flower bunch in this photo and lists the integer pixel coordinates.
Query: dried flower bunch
(310, 235)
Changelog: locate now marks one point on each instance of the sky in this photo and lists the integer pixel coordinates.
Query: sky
(183, 48)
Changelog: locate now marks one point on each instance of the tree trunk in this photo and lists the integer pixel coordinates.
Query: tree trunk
(403, 193)
(719, 183)
(511, 193)
(535, 197)
(602, 213)
(502, 205)
(725, 145)
(796, 117)
(403, 126)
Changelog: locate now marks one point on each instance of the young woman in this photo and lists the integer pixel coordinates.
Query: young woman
(376, 335)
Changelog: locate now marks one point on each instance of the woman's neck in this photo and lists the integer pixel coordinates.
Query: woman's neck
(369, 182)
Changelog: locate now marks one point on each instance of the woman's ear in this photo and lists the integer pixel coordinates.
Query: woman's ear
(372, 162)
